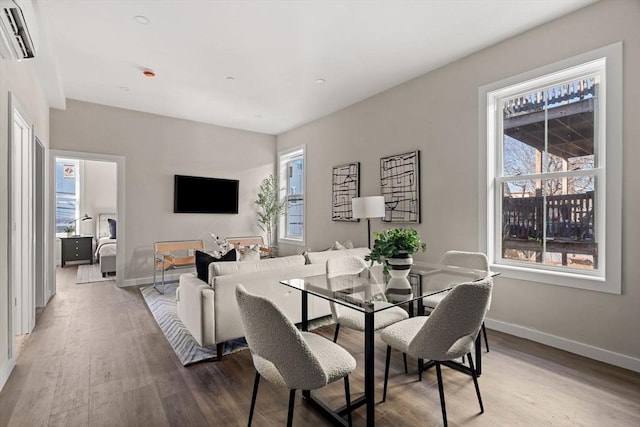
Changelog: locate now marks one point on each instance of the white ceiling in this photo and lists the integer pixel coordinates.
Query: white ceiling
(253, 64)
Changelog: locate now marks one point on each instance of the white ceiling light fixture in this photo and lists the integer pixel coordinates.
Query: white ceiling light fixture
(321, 81)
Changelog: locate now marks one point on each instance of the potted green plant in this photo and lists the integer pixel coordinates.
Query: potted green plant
(69, 229)
(395, 243)
(394, 248)
(270, 208)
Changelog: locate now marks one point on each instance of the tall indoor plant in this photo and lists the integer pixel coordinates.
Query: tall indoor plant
(270, 208)
(394, 248)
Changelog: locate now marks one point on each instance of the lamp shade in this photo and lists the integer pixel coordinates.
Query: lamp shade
(368, 207)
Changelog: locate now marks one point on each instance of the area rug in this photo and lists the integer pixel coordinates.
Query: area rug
(89, 273)
(163, 308)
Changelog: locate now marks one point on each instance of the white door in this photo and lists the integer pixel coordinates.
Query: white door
(22, 227)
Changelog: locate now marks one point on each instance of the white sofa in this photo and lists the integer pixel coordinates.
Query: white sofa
(210, 311)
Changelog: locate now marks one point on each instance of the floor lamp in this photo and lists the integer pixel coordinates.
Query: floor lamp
(368, 207)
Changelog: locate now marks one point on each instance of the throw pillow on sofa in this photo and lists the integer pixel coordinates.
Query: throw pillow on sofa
(251, 254)
(203, 260)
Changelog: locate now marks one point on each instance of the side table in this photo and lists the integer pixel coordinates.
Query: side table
(78, 248)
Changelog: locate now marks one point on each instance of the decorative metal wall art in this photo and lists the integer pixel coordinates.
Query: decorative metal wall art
(345, 185)
(400, 185)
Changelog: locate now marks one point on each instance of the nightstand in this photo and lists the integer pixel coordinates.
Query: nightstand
(79, 248)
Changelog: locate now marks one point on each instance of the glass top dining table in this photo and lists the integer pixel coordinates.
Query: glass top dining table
(366, 293)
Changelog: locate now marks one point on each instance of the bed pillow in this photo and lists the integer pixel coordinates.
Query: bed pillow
(112, 228)
(203, 260)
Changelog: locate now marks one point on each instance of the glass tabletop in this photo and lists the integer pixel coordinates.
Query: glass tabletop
(365, 292)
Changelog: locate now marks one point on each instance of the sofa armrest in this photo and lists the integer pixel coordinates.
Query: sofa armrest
(195, 307)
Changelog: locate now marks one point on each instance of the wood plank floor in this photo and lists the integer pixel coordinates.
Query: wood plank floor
(97, 357)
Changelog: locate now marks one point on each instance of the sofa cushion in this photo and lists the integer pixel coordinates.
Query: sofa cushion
(203, 260)
(226, 268)
(322, 257)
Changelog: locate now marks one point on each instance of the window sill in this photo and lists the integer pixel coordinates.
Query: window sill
(288, 241)
(559, 278)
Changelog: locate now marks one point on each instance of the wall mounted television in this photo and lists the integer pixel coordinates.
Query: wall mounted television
(196, 194)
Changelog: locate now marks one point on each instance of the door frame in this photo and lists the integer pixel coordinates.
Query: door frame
(40, 160)
(120, 209)
(22, 313)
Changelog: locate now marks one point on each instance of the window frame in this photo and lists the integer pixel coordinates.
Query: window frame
(607, 169)
(284, 158)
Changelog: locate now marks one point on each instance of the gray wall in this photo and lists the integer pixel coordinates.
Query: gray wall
(99, 193)
(438, 114)
(155, 148)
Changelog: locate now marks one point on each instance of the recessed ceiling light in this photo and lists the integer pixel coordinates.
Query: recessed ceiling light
(230, 78)
(148, 73)
(320, 81)
(142, 19)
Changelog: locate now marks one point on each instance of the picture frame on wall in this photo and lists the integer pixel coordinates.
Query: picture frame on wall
(345, 185)
(400, 187)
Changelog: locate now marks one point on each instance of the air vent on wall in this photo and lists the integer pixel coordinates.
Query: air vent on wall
(17, 24)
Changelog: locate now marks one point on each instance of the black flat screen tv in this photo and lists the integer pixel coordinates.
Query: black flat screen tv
(196, 194)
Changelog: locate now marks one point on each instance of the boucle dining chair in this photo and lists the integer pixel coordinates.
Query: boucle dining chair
(448, 333)
(341, 268)
(287, 357)
(474, 260)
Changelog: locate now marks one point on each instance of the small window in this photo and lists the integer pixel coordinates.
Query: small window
(553, 173)
(292, 178)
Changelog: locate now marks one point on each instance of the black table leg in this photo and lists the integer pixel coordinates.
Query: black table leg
(305, 311)
(305, 327)
(369, 378)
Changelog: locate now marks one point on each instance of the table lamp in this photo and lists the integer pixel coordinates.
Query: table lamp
(83, 218)
(368, 207)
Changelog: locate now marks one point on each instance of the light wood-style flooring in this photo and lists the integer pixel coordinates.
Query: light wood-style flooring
(97, 357)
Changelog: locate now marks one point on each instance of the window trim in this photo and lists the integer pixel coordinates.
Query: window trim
(608, 170)
(79, 184)
(283, 157)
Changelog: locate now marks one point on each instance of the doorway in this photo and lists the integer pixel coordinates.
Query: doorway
(88, 204)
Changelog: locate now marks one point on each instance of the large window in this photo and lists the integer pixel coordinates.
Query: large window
(292, 181)
(551, 169)
(67, 193)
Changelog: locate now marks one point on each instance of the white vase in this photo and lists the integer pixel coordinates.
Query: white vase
(398, 288)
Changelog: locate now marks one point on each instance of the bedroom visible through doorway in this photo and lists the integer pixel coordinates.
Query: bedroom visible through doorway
(86, 216)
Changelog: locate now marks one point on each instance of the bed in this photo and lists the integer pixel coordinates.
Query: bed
(105, 253)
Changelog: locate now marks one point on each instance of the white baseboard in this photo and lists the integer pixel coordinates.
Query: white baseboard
(6, 370)
(575, 347)
(149, 280)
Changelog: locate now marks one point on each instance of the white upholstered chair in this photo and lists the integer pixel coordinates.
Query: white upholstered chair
(287, 357)
(448, 333)
(339, 269)
(474, 260)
